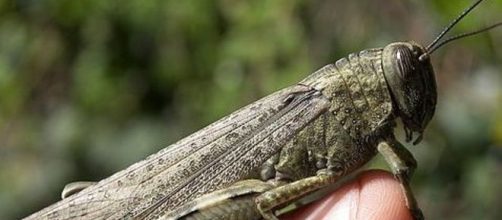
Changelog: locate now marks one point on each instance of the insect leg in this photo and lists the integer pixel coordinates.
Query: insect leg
(286, 194)
(232, 203)
(74, 188)
(403, 165)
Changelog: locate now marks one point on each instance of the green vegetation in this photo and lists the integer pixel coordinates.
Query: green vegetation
(89, 87)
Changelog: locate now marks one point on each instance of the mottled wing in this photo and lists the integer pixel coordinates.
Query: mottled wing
(212, 158)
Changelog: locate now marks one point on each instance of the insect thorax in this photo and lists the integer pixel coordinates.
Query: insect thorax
(359, 95)
(343, 138)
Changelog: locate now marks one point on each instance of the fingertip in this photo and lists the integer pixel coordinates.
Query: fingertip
(381, 197)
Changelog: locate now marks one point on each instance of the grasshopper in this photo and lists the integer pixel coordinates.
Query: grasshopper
(280, 148)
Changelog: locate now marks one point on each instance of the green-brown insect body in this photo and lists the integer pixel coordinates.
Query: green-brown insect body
(329, 124)
(276, 150)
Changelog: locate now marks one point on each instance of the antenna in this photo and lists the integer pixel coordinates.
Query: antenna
(437, 44)
(463, 35)
(452, 24)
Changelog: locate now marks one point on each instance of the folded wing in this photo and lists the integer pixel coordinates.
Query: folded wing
(214, 157)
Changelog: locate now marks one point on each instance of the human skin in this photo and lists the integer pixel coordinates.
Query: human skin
(373, 194)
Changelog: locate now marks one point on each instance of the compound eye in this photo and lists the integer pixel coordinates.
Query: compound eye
(405, 61)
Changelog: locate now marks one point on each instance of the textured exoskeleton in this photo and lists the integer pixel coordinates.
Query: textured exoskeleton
(277, 149)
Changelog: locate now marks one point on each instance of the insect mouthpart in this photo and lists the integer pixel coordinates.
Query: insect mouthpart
(409, 135)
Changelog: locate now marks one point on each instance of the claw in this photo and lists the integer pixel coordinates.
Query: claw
(417, 214)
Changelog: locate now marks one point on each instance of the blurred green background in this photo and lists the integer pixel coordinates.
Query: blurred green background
(89, 87)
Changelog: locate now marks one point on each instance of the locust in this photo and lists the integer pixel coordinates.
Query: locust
(282, 147)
